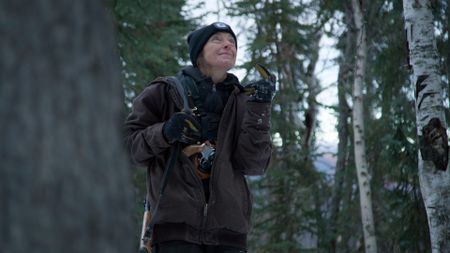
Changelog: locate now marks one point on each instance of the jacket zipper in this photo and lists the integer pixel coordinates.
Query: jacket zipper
(211, 195)
(206, 204)
(205, 207)
(201, 237)
(205, 210)
(211, 177)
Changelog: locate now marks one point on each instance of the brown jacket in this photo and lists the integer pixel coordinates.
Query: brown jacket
(244, 148)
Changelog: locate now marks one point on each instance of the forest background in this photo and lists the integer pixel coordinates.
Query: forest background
(64, 178)
(303, 204)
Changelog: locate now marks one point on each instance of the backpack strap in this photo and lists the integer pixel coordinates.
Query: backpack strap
(182, 91)
(176, 83)
(193, 93)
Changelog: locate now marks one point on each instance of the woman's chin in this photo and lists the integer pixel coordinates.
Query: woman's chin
(226, 65)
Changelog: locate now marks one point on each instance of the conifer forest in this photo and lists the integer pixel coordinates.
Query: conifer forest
(359, 120)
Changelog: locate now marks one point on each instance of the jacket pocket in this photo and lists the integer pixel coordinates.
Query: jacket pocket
(182, 186)
(190, 167)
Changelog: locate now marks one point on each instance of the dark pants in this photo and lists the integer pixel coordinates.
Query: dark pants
(185, 247)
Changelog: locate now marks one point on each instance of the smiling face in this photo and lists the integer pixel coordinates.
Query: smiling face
(219, 53)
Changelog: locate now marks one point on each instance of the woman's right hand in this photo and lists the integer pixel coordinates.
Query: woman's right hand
(182, 127)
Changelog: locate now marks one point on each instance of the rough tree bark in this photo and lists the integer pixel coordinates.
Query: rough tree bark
(313, 90)
(65, 184)
(362, 172)
(447, 11)
(430, 119)
(448, 50)
(343, 132)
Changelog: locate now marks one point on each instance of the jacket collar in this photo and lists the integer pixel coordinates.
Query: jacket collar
(198, 77)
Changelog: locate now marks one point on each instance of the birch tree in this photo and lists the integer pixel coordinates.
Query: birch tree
(288, 205)
(358, 129)
(430, 121)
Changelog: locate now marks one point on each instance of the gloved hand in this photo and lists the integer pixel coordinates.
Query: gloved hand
(264, 91)
(183, 128)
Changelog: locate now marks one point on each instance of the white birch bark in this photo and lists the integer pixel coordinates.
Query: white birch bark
(365, 195)
(430, 119)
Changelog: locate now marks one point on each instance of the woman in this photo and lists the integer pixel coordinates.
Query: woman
(206, 205)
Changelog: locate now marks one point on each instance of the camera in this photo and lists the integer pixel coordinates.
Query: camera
(207, 158)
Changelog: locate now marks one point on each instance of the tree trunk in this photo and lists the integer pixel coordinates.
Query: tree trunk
(448, 51)
(65, 184)
(313, 89)
(358, 129)
(430, 119)
(447, 11)
(343, 136)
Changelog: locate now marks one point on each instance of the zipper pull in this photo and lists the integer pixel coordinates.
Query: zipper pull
(205, 210)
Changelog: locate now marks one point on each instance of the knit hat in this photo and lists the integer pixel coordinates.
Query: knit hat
(198, 38)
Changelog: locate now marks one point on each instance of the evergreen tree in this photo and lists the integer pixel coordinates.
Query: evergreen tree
(291, 197)
(151, 43)
(152, 40)
(391, 134)
(345, 61)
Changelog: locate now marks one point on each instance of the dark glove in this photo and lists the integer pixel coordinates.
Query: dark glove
(183, 128)
(264, 91)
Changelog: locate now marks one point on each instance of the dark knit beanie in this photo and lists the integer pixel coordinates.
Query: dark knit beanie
(198, 38)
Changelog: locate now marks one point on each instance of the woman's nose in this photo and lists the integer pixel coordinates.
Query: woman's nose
(227, 44)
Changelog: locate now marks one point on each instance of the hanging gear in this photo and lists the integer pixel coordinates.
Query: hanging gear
(175, 152)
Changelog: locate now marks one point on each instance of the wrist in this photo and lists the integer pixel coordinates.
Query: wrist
(164, 134)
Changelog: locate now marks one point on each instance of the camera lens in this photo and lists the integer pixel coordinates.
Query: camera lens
(207, 159)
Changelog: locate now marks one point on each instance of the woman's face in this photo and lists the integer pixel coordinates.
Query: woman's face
(219, 52)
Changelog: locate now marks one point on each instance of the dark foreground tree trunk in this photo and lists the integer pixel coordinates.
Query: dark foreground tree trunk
(64, 179)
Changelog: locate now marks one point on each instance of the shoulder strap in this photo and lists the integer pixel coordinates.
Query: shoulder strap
(192, 91)
(182, 91)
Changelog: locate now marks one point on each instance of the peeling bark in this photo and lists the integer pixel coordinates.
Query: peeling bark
(433, 144)
(430, 120)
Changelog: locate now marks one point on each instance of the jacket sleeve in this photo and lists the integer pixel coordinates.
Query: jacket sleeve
(254, 144)
(143, 127)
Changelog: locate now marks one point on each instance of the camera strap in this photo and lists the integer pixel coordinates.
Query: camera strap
(175, 152)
